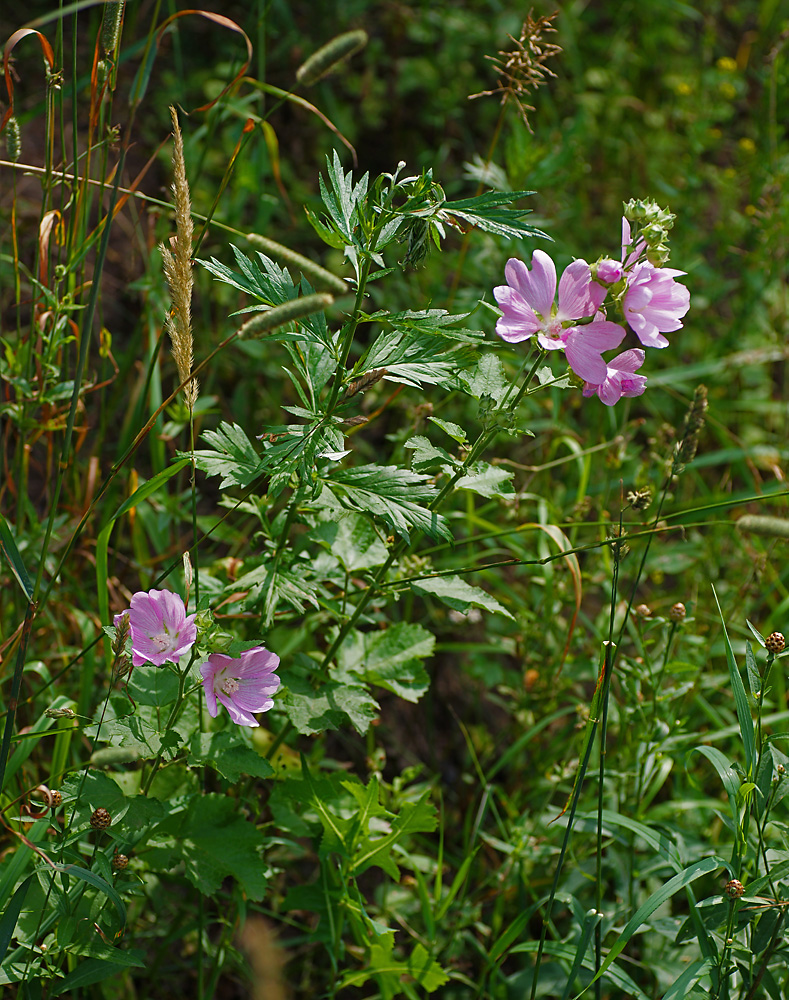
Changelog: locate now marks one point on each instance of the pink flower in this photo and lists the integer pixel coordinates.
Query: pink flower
(654, 302)
(244, 685)
(527, 304)
(609, 271)
(160, 628)
(621, 379)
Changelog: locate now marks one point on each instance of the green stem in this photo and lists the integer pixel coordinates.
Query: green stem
(175, 711)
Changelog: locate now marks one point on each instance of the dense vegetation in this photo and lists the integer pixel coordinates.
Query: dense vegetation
(325, 580)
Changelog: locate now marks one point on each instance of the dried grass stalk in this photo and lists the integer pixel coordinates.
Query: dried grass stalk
(178, 271)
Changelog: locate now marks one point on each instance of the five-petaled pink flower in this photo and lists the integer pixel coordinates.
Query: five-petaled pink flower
(243, 685)
(527, 304)
(161, 630)
(621, 379)
(654, 302)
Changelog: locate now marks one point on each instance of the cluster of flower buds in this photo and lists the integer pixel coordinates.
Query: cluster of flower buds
(637, 289)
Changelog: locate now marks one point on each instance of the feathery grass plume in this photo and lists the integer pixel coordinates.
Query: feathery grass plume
(764, 524)
(111, 21)
(264, 322)
(178, 271)
(319, 276)
(329, 56)
(691, 428)
(13, 139)
(524, 69)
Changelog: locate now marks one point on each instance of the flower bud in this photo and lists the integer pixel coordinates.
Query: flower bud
(734, 889)
(609, 271)
(120, 861)
(643, 611)
(775, 643)
(100, 819)
(677, 612)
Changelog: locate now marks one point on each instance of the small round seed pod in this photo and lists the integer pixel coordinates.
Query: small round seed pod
(56, 799)
(100, 819)
(775, 643)
(734, 889)
(643, 611)
(677, 612)
(119, 862)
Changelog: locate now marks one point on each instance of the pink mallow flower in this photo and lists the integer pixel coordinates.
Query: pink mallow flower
(654, 302)
(161, 630)
(621, 379)
(243, 685)
(527, 304)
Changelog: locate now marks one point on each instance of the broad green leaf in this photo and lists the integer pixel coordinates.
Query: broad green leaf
(427, 455)
(228, 755)
(744, 716)
(487, 480)
(389, 658)
(487, 379)
(332, 706)
(694, 972)
(354, 540)
(214, 840)
(455, 431)
(96, 970)
(456, 593)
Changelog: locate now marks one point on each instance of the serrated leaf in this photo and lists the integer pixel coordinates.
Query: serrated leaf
(456, 593)
(427, 455)
(353, 540)
(455, 431)
(390, 658)
(228, 755)
(214, 841)
(332, 706)
(487, 379)
(487, 480)
(490, 213)
(392, 494)
(234, 457)
(389, 971)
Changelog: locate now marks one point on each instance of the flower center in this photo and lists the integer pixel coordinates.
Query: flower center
(230, 685)
(553, 328)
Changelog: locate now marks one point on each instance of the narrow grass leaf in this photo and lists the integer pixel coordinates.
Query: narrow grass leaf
(566, 953)
(729, 777)
(591, 919)
(740, 697)
(11, 915)
(11, 552)
(657, 899)
(691, 975)
(98, 883)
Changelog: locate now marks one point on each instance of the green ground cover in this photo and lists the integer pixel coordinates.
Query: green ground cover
(350, 644)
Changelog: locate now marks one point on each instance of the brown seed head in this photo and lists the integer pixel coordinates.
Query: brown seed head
(775, 642)
(55, 799)
(643, 611)
(677, 612)
(100, 819)
(734, 889)
(120, 861)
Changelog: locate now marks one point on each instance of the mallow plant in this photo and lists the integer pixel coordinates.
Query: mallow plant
(184, 776)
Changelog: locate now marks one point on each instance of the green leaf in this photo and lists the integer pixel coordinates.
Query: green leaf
(694, 972)
(234, 457)
(757, 634)
(11, 915)
(391, 493)
(11, 552)
(140, 736)
(657, 899)
(457, 594)
(729, 777)
(427, 455)
(389, 971)
(389, 658)
(487, 480)
(488, 212)
(96, 970)
(754, 677)
(214, 841)
(354, 540)
(86, 875)
(332, 706)
(620, 979)
(455, 431)
(744, 716)
(226, 753)
(487, 379)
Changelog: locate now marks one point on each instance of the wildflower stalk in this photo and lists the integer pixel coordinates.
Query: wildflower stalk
(175, 711)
